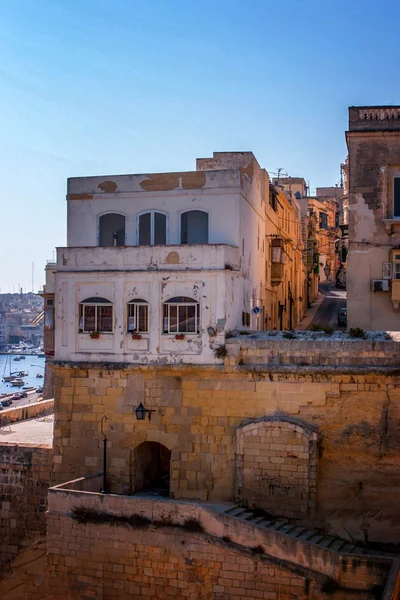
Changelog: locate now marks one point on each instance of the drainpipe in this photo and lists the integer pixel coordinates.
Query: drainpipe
(104, 490)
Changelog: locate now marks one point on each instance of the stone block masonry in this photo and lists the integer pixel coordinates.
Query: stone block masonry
(24, 480)
(349, 481)
(228, 560)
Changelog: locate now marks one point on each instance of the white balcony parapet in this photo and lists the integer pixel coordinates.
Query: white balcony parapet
(149, 258)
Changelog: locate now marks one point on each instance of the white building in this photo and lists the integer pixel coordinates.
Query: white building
(3, 332)
(159, 267)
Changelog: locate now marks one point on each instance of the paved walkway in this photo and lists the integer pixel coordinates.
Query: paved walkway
(310, 314)
(37, 432)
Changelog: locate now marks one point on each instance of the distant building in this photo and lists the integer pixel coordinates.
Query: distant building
(373, 271)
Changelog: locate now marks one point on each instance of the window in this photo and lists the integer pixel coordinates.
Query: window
(112, 230)
(245, 319)
(181, 315)
(49, 314)
(323, 220)
(194, 227)
(95, 314)
(396, 197)
(387, 270)
(152, 228)
(138, 316)
(396, 271)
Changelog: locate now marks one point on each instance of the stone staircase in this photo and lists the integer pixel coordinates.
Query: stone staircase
(282, 525)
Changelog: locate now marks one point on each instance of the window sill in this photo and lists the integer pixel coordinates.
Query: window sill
(172, 335)
(100, 333)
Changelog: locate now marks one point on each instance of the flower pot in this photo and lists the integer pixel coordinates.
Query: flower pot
(136, 336)
(179, 336)
(94, 335)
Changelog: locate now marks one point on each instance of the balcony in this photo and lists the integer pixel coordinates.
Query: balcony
(277, 273)
(149, 258)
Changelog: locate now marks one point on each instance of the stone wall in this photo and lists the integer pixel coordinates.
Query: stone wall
(25, 474)
(29, 411)
(198, 411)
(277, 467)
(229, 559)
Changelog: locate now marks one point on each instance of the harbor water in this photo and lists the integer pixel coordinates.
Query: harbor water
(32, 364)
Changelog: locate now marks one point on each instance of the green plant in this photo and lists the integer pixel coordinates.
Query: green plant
(357, 332)
(228, 334)
(193, 525)
(328, 330)
(288, 335)
(94, 335)
(257, 549)
(315, 327)
(221, 352)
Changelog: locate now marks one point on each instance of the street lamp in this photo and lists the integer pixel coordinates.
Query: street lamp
(327, 270)
(141, 412)
(104, 490)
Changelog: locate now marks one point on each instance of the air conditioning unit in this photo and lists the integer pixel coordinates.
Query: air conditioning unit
(380, 285)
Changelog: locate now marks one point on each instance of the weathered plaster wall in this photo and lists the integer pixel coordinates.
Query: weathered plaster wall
(374, 157)
(219, 293)
(198, 411)
(25, 473)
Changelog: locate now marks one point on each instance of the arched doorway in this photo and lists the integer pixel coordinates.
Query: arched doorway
(152, 468)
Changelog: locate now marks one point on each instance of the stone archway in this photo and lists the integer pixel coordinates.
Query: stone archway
(277, 466)
(152, 462)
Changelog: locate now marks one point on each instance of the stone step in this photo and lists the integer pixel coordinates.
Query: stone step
(358, 550)
(235, 511)
(347, 548)
(316, 538)
(297, 531)
(257, 520)
(246, 515)
(306, 535)
(266, 522)
(326, 542)
(277, 524)
(287, 529)
(337, 545)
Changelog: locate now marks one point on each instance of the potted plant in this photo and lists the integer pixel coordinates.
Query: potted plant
(136, 335)
(94, 335)
(179, 336)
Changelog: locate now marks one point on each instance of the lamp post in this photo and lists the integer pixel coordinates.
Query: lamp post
(104, 490)
(327, 271)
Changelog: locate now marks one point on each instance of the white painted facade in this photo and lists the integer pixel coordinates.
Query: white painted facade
(226, 277)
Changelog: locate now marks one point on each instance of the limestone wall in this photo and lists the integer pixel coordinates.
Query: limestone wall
(198, 413)
(29, 411)
(229, 559)
(24, 479)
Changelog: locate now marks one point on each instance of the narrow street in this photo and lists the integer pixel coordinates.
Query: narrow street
(334, 300)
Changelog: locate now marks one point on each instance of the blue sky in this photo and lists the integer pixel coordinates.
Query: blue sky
(93, 87)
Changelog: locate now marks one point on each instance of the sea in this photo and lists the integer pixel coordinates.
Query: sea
(32, 364)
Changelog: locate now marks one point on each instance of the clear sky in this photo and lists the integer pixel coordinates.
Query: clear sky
(90, 87)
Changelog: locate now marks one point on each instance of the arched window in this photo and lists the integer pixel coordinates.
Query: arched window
(181, 315)
(152, 228)
(95, 315)
(194, 227)
(112, 230)
(138, 316)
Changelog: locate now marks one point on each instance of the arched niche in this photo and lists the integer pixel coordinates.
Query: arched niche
(277, 466)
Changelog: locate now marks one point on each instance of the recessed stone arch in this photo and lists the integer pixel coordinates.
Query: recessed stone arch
(277, 466)
(151, 451)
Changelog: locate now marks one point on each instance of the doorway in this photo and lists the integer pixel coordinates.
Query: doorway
(152, 468)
